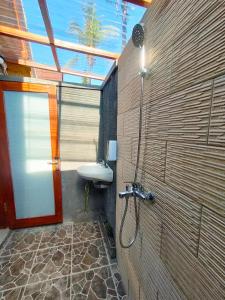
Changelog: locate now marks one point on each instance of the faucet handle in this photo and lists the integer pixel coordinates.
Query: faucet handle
(150, 196)
(137, 185)
(128, 184)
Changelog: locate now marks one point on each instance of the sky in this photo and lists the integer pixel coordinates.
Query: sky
(62, 13)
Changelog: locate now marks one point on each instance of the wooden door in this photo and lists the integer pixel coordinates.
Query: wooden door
(30, 175)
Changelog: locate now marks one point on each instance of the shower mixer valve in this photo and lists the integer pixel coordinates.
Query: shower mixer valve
(137, 190)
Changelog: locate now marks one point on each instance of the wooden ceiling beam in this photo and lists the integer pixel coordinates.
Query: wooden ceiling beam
(83, 74)
(23, 35)
(86, 50)
(32, 64)
(36, 38)
(48, 27)
(144, 3)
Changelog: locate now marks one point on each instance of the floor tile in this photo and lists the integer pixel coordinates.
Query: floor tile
(95, 284)
(15, 270)
(51, 263)
(14, 294)
(56, 289)
(37, 264)
(21, 241)
(56, 235)
(88, 255)
(118, 282)
(86, 231)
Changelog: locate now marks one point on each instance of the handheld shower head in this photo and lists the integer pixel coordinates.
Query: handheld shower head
(138, 35)
(138, 41)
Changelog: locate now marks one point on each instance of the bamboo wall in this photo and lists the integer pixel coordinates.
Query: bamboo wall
(180, 248)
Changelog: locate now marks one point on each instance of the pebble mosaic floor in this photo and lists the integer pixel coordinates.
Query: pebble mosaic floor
(66, 261)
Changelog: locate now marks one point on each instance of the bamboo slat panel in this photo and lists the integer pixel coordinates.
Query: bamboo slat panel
(212, 244)
(183, 116)
(188, 272)
(198, 172)
(179, 253)
(217, 120)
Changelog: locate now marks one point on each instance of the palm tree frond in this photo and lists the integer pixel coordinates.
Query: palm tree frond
(93, 32)
(110, 31)
(71, 62)
(75, 29)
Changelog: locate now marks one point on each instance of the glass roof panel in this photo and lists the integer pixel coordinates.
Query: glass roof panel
(71, 22)
(80, 80)
(42, 54)
(33, 16)
(82, 62)
(13, 49)
(104, 24)
(23, 14)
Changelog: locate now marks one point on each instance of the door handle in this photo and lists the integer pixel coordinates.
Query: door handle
(53, 162)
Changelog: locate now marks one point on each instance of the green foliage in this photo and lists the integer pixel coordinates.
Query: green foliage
(71, 62)
(92, 33)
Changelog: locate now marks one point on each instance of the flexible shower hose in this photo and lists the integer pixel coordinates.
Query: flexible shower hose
(136, 206)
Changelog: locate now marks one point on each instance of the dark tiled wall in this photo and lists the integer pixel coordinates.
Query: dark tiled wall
(108, 131)
(179, 251)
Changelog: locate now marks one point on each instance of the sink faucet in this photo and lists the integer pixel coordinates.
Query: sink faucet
(136, 190)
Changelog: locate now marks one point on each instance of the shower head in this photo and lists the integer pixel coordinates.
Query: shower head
(138, 35)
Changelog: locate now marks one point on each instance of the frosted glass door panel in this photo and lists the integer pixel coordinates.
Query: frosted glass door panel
(29, 137)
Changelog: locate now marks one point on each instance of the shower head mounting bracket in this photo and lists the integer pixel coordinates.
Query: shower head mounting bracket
(145, 73)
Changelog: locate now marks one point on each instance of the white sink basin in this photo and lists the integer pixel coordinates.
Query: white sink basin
(96, 172)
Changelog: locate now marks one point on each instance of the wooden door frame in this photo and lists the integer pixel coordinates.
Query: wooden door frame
(3, 204)
(5, 171)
